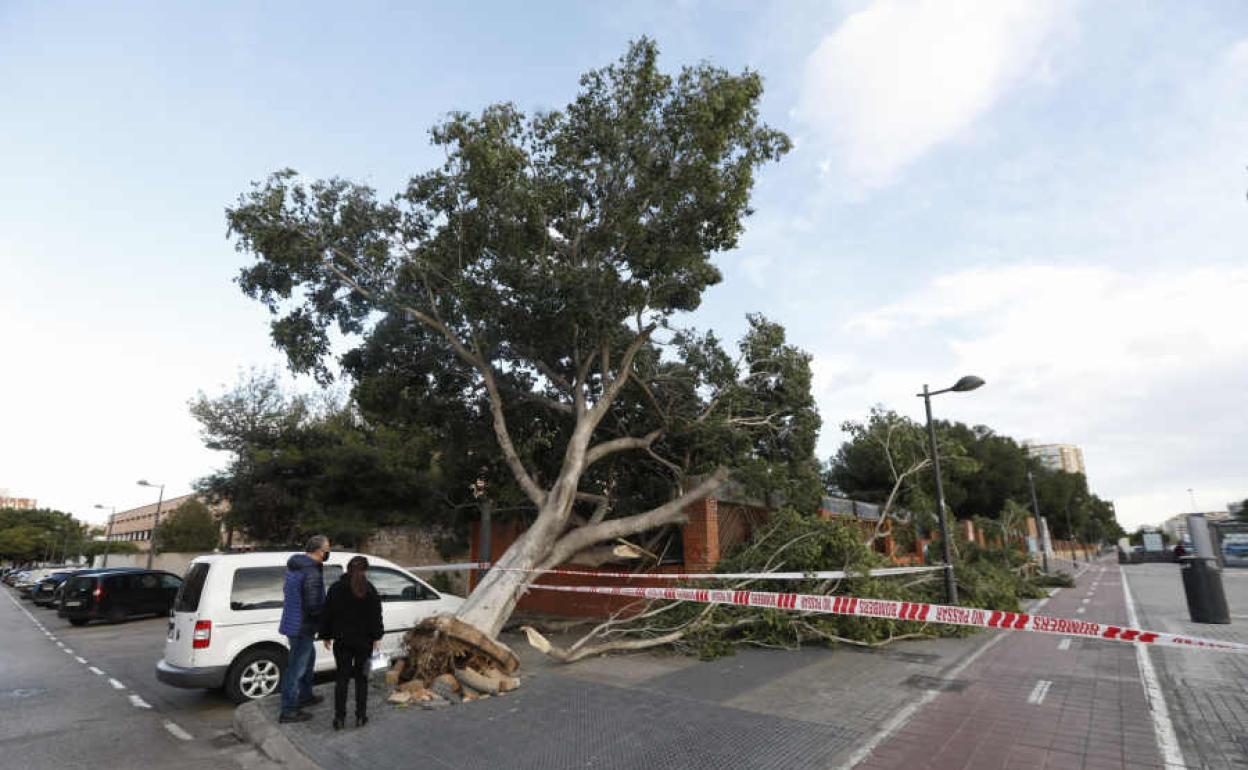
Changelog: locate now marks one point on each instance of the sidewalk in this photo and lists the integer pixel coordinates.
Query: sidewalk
(1207, 695)
(758, 709)
(1039, 701)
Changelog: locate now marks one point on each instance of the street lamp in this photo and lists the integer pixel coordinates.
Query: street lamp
(108, 533)
(967, 383)
(151, 548)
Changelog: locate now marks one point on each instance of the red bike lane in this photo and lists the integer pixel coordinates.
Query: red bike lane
(1035, 700)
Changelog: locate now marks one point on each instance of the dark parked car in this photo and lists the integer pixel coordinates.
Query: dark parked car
(43, 594)
(117, 595)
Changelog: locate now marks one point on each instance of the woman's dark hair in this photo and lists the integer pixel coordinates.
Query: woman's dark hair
(355, 573)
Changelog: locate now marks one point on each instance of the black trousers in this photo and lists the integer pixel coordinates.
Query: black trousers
(352, 659)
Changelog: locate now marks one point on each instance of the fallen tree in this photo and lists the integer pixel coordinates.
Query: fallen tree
(528, 285)
(988, 578)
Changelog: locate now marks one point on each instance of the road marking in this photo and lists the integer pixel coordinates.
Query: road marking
(80, 659)
(67, 651)
(1167, 741)
(1039, 604)
(95, 671)
(1085, 601)
(116, 685)
(1064, 644)
(1081, 610)
(177, 732)
(1039, 691)
(139, 703)
(908, 711)
(60, 644)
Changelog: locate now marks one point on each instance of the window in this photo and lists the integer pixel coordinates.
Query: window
(397, 587)
(260, 588)
(188, 595)
(148, 582)
(169, 581)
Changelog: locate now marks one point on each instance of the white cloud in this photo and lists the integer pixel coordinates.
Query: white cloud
(902, 76)
(1145, 370)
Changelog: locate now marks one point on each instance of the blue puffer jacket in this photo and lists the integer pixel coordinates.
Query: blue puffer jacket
(304, 594)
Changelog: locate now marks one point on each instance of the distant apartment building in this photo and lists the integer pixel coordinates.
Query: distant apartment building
(1176, 526)
(1058, 457)
(20, 503)
(137, 524)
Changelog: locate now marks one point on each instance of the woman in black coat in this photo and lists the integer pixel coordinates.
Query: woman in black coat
(351, 620)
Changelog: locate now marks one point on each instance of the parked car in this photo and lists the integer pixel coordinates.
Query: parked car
(117, 595)
(42, 595)
(224, 629)
(13, 576)
(27, 581)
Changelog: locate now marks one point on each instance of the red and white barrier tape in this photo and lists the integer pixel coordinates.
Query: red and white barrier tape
(912, 611)
(819, 575)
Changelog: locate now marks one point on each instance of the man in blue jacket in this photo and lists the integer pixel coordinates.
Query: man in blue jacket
(303, 601)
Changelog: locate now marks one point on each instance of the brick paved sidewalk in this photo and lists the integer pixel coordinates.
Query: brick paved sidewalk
(1207, 695)
(1038, 701)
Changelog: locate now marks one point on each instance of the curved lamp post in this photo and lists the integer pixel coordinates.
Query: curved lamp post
(151, 548)
(969, 382)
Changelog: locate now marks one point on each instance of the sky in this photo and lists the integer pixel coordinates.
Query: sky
(1048, 195)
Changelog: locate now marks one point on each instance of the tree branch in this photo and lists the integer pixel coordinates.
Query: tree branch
(599, 451)
(670, 511)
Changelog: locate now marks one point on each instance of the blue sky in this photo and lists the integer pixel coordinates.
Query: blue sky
(1049, 195)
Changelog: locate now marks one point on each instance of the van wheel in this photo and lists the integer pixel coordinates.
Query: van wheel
(77, 621)
(255, 674)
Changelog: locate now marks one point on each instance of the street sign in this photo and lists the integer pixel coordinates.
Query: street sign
(1152, 542)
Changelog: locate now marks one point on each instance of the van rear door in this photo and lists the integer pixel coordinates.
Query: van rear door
(179, 650)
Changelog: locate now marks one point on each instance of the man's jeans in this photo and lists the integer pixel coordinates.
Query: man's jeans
(297, 680)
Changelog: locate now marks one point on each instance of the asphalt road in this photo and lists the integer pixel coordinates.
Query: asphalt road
(88, 698)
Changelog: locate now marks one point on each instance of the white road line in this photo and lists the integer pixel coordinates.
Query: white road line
(901, 717)
(1085, 601)
(60, 644)
(139, 703)
(177, 732)
(1039, 691)
(95, 671)
(80, 659)
(67, 651)
(1064, 644)
(1163, 728)
(1039, 604)
(116, 685)
(1081, 610)
(1053, 592)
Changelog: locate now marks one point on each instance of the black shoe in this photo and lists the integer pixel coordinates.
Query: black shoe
(297, 716)
(315, 700)
(338, 722)
(360, 721)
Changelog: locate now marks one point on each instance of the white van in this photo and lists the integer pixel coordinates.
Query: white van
(223, 630)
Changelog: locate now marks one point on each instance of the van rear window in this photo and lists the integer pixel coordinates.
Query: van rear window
(188, 595)
(260, 588)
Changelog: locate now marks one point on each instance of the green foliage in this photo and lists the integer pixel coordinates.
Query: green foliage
(1242, 514)
(39, 535)
(93, 548)
(190, 528)
(984, 475)
(298, 468)
(987, 578)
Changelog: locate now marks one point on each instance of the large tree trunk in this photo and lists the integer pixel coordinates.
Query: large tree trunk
(492, 601)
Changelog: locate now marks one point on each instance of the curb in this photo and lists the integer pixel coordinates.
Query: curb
(254, 727)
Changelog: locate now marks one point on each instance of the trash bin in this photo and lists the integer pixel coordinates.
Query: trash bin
(1202, 582)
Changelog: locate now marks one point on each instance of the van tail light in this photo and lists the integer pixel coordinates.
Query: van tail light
(202, 636)
(98, 593)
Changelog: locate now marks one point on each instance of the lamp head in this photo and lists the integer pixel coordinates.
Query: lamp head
(969, 382)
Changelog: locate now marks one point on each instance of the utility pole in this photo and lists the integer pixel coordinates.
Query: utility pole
(1035, 511)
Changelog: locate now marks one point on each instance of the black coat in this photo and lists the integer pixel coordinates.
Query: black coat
(348, 618)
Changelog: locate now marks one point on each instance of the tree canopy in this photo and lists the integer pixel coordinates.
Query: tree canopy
(531, 284)
(191, 527)
(984, 475)
(41, 534)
